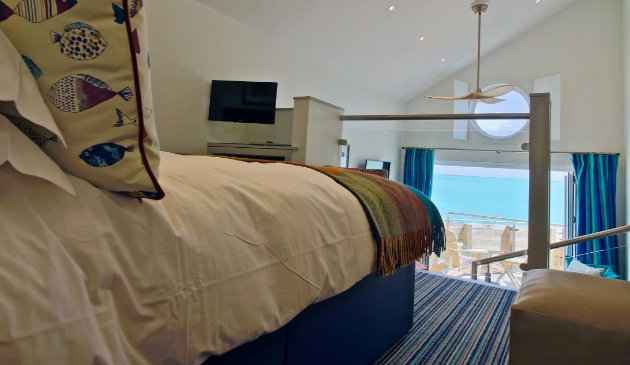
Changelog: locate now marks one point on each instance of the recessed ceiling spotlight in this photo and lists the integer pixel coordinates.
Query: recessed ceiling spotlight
(421, 38)
(537, 1)
(392, 8)
(443, 59)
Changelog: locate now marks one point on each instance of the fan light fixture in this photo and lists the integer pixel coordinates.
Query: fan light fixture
(479, 7)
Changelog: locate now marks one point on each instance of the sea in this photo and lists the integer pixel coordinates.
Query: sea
(495, 196)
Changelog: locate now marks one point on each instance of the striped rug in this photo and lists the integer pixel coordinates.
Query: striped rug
(456, 321)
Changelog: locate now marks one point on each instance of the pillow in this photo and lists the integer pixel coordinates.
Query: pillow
(27, 158)
(609, 272)
(19, 95)
(91, 62)
(577, 266)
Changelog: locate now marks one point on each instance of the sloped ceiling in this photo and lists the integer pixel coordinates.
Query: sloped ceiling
(381, 48)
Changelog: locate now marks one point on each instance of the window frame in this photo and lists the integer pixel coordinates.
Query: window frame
(473, 106)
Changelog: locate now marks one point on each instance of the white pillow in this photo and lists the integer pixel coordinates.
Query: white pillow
(27, 158)
(577, 266)
(19, 94)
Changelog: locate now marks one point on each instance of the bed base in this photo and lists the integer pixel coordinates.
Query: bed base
(354, 327)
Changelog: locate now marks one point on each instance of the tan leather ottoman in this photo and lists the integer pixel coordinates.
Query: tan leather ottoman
(568, 318)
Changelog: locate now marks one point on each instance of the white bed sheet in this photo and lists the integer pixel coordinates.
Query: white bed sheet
(234, 251)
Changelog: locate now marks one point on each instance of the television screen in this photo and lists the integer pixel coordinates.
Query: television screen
(375, 164)
(243, 101)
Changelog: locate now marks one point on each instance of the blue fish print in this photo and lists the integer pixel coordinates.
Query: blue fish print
(134, 9)
(149, 194)
(104, 154)
(141, 194)
(119, 14)
(36, 71)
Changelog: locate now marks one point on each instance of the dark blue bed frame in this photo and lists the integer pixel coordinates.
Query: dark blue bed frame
(355, 327)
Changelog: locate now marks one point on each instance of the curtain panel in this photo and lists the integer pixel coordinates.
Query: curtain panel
(596, 176)
(418, 170)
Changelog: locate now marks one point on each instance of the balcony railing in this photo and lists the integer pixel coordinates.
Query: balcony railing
(487, 261)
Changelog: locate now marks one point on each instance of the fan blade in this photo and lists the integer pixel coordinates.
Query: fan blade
(497, 91)
(470, 96)
(490, 100)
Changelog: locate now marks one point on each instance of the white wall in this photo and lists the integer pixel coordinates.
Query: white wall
(585, 45)
(192, 44)
(383, 145)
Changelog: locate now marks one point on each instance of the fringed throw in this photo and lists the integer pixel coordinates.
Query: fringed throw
(405, 225)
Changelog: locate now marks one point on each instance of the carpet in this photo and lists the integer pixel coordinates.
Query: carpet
(456, 321)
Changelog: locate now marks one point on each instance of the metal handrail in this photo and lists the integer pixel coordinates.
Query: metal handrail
(485, 219)
(560, 244)
(589, 237)
(437, 116)
(497, 218)
(485, 216)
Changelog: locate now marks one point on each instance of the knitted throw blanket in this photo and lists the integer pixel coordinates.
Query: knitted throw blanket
(400, 222)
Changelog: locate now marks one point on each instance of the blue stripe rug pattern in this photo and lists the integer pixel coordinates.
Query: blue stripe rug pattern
(456, 321)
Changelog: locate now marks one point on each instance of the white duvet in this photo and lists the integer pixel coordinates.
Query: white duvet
(234, 251)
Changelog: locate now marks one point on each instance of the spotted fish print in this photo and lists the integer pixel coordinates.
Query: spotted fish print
(36, 71)
(80, 41)
(134, 9)
(124, 120)
(35, 136)
(104, 154)
(36, 11)
(76, 93)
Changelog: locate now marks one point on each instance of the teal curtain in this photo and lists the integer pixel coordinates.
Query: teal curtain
(596, 176)
(418, 171)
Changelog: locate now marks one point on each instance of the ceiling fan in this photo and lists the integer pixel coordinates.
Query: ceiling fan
(479, 7)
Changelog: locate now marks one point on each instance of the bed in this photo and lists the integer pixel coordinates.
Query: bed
(240, 262)
(100, 278)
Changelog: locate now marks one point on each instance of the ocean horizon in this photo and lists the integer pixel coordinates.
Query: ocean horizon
(496, 196)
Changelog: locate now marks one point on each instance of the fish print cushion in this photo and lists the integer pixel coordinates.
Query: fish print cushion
(90, 59)
(20, 97)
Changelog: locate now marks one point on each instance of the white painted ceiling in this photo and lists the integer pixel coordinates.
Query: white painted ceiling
(381, 49)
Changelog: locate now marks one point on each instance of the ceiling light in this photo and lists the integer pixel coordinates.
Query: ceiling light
(443, 59)
(391, 8)
(537, 1)
(421, 38)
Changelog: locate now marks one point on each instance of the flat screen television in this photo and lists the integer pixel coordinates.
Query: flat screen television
(243, 101)
(375, 164)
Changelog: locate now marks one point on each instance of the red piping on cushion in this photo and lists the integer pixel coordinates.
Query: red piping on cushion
(136, 80)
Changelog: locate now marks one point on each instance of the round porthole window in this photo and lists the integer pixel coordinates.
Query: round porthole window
(516, 101)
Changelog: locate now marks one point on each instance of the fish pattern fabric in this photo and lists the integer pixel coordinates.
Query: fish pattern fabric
(80, 41)
(124, 120)
(119, 12)
(36, 136)
(105, 154)
(35, 70)
(36, 11)
(76, 93)
(90, 59)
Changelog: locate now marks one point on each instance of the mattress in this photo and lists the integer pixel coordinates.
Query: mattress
(234, 251)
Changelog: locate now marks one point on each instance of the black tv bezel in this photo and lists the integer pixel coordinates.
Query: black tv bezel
(246, 83)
